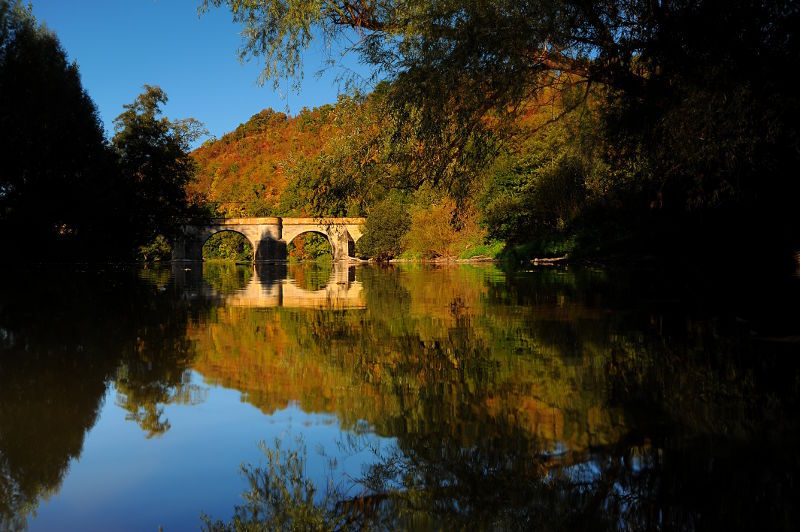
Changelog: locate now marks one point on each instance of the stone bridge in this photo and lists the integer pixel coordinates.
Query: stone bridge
(270, 236)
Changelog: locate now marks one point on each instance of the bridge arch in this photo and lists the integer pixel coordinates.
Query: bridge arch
(295, 236)
(223, 230)
(336, 230)
(307, 231)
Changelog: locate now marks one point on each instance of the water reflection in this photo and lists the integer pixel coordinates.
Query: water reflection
(271, 285)
(63, 341)
(549, 399)
(555, 399)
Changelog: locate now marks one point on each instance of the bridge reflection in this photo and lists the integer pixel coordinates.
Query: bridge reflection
(271, 285)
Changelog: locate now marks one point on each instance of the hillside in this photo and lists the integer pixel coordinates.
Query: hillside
(243, 173)
(342, 159)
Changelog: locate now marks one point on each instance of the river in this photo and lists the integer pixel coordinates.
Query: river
(411, 396)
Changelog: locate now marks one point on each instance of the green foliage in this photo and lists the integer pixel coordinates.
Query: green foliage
(309, 246)
(543, 247)
(154, 159)
(281, 497)
(228, 245)
(491, 250)
(387, 224)
(157, 250)
(285, 36)
(540, 188)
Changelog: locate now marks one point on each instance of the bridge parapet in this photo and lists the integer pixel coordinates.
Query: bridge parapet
(264, 220)
(323, 221)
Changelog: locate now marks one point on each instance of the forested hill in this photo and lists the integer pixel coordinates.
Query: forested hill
(244, 172)
(339, 160)
(567, 171)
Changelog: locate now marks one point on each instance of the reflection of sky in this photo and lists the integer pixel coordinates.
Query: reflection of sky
(124, 481)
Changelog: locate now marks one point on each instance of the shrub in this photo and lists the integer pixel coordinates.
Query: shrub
(157, 250)
(387, 224)
(434, 235)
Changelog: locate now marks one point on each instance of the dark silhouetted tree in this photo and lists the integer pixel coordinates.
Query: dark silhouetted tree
(59, 192)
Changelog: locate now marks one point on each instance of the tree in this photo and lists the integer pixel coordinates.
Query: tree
(154, 159)
(387, 224)
(538, 186)
(453, 63)
(349, 172)
(696, 94)
(59, 191)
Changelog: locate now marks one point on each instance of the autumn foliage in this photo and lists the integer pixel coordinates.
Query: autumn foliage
(244, 172)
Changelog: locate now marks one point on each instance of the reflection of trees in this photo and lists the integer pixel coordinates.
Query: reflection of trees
(426, 349)
(628, 486)
(405, 365)
(50, 395)
(157, 275)
(554, 400)
(58, 347)
(311, 276)
(144, 389)
(61, 342)
(226, 277)
(282, 497)
(510, 485)
(154, 369)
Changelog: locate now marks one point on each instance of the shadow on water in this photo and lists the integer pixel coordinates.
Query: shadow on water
(556, 398)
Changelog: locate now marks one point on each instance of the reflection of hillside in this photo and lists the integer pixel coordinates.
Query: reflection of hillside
(254, 351)
(428, 354)
(464, 352)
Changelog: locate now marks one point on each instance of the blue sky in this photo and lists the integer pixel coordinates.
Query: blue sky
(120, 45)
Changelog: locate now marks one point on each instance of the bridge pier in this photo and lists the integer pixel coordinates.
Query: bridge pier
(270, 236)
(269, 249)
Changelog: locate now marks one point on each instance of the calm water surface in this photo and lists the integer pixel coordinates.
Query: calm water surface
(436, 397)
